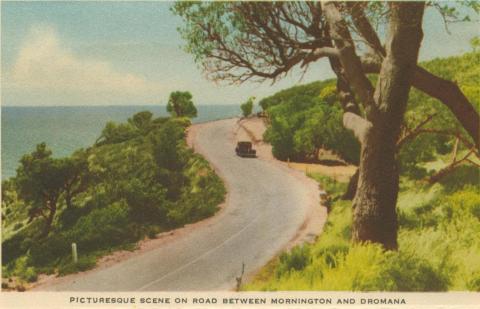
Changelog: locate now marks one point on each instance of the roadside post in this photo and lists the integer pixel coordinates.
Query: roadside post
(74, 253)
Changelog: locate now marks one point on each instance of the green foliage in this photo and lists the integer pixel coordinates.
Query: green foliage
(333, 187)
(296, 259)
(23, 271)
(84, 263)
(117, 133)
(438, 248)
(180, 104)
(125, 187)
(142, 121)
(41, 180)
(304, 119)
(475, 43)
(167, 149)
(465, 71)
(247, 107)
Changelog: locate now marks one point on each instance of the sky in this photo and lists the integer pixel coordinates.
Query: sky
(130, 53)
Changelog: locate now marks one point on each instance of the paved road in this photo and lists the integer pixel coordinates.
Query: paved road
(265, 208)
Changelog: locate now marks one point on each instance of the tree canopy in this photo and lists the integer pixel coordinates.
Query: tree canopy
(247, 107)
(180, 104)
(241, 41)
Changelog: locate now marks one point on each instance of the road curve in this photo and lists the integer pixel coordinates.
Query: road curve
(265, 207)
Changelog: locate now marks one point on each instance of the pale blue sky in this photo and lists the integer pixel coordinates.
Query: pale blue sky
(127, 53)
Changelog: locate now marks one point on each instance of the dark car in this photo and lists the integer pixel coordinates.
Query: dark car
(245, 149)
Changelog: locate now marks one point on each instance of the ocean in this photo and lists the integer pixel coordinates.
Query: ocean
(66, 129)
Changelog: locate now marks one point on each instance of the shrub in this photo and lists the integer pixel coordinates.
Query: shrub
(50, 250)
(23, 270)
(474, 283)
(297, 259)
(84, 263)
(247, 107)
(102, 228)
(408, 272)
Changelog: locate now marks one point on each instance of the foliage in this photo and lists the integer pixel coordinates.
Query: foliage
(304, 119)
(247, 107)
(125, 187)
(465, 70)
(180, 104)
(142, 121)
(438, 248)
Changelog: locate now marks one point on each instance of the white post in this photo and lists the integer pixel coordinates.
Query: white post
(74, 253)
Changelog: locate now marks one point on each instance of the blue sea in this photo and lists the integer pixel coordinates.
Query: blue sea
(66, 129)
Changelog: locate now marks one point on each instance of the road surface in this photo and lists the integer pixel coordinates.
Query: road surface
(265, 208)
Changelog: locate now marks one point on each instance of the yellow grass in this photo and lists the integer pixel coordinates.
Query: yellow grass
(339, 173)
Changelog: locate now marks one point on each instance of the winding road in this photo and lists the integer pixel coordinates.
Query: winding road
(265, 208)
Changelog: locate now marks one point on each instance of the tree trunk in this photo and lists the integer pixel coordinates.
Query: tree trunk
(375, 217)
(49, 222)
(68, 198)
(352, 187)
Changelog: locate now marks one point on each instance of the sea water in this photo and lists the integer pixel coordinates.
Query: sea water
(66, 129)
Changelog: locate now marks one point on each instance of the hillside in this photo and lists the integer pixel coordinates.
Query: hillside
(438, 206)
(137, 180)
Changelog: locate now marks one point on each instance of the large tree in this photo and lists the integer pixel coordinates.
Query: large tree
(180, 104)
(240, 41)
(42, 181)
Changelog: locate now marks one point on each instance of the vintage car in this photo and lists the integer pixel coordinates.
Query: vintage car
(245, 149)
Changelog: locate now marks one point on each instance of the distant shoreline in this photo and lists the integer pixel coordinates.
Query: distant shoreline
(67, 128)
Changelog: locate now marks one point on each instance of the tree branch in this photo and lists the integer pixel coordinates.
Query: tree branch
(350, 61)
(362, 24)
(413, 133)
(358, 125)
(447, 92)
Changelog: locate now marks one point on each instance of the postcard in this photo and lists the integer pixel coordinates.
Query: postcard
(291, 154)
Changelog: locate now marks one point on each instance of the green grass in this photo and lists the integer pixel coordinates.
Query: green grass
(439, 248)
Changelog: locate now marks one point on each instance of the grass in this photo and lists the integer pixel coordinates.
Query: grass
(439, 248)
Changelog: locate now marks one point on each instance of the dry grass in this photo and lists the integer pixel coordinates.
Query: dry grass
(339, 173)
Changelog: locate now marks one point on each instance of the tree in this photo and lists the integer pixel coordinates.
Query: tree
(114, 133)
(41, 180)
(243, 41)
(247, 107)
(142, 121)
(170, 157)
(75, 174)
(180, 105)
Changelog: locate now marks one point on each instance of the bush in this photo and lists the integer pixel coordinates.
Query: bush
(247, 107)
(474, 283)
(297, 259)
(84, 263)
(410, 273)
(50, 250)
(22, 270)
(438, 249)
(301, 122)
(102, 228)
(13, 247)
(141, 179)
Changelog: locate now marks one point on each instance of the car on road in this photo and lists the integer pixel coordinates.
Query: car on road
(245, 149)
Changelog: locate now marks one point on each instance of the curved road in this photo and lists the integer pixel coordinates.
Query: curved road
(265, 208)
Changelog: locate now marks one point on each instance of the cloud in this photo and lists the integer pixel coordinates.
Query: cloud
(46, 70)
